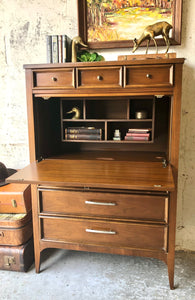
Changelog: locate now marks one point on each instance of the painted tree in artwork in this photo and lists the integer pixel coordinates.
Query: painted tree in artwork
(162, 3)
(113, 19)
(96, 11)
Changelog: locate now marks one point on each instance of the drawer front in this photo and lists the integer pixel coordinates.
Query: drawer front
(111, 234)
(99, 77)
(115, 205)
(149, 76)
(54, 78)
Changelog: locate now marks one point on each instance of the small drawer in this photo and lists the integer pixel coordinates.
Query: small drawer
(147, 76)
(102, 77)
(110, 234)
(110, 205)
(63, 78)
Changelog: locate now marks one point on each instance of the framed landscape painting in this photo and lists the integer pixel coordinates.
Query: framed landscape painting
(114, 24)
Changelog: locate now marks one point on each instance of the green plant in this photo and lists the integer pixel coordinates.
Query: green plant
(85, 56)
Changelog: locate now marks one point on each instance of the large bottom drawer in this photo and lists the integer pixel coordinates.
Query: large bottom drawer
(113, 234)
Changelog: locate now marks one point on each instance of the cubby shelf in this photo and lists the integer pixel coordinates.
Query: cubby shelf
(108, 115)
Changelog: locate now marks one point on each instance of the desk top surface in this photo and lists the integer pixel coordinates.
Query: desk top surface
(97, 174)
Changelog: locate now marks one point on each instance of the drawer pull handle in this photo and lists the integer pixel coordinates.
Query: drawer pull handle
(100, 231)
(148, 76)
(100, 203)
(99, 77)
(54, 79)
(1, 234)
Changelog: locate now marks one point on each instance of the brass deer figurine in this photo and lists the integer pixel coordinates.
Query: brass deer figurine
(76, 41)
(159, 28)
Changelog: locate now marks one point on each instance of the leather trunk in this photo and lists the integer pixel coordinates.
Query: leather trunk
(15, 229)
(18, 258)
(15, 198)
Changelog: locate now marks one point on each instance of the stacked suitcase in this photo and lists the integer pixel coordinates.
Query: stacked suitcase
(16, 243)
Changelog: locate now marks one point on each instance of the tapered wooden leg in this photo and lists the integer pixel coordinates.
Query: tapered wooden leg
(171, 266)
(36, 231)
(37, 262)
(171, 239)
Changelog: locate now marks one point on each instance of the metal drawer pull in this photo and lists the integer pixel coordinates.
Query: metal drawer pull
(100, 231)
(99, 77)
(54, 78)
(100, 203)
(1, 234)
(148, 75)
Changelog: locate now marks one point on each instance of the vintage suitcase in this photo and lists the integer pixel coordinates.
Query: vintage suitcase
(15, 198)
(15, 229)
(18, 258)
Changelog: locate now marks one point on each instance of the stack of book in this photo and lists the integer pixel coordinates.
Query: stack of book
(83, 133)
(58, 48)
(135, 134)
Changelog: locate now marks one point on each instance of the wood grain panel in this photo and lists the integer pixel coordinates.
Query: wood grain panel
(111, 234)
(102, 174)
(99, 77)
(156, 75)
(110, 205)
(54, 78)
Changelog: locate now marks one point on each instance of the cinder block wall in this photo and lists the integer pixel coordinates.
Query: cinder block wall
(23, 29)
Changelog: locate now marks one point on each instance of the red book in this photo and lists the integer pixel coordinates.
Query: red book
(137, 134)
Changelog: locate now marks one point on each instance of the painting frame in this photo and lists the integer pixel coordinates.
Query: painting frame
(82, 29)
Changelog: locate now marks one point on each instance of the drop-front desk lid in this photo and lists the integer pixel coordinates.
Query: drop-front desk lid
(98, 174)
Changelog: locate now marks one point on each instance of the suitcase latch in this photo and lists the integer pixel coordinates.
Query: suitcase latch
(9, 260)
(14, 203)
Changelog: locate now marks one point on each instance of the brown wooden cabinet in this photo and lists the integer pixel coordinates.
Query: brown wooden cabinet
(98, 193)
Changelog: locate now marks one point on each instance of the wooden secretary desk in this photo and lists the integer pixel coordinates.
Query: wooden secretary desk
(103, 194)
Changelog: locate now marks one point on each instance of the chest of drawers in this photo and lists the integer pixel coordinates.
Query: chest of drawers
(97, 193)
(110, 219)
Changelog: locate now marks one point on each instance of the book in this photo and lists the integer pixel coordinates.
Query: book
(139, 130)
(58, 48)
(55, 52)
(49, 49)
(83, 130)
(137, 138)
(83, 137)
(137, 134)
(66, 48)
